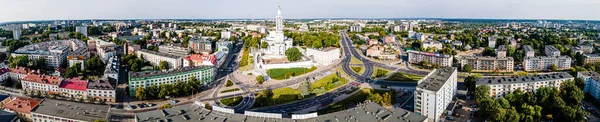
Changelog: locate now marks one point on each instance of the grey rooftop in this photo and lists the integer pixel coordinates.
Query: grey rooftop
(523, 79)
(436, 79)
(72, 110)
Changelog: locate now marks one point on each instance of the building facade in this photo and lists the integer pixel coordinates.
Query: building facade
(434, 92)
(488, 64)
(355, 28)
(529, 52)
(324, 56)
(440, 59)
(501, 86)
(51, 110)
(545, 63)
(102, 89)
(501, 51)
(591, 80)
(591, 58)
(22, 107)
(551, 51)
(42, 83)
(82, 29)
(73, 88)
(146, 79)
(155, 58)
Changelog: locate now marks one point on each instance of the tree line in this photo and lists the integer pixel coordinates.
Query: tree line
(161, 91)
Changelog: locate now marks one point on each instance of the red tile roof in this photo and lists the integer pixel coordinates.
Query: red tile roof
(20, 70)
(74, 84)
(22, 105)
(201, 58)
(52, 80)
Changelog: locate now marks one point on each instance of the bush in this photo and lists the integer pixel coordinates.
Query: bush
(168, 105)
(229, 83)
(356, 69)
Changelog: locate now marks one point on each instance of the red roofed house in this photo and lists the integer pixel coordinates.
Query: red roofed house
(39, 82)
(18, 73)
(73, 88)
(200, 60)
(22, 106)
(375, 51)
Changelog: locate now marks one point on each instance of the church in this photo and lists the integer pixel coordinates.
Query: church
(278, 43)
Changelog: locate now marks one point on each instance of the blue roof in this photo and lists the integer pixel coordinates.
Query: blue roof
(2, 97)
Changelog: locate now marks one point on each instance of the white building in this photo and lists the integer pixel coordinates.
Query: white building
(277, 42)
(544, 63)
(4, 74)
(73, 88)
(104, 49)
(225, 34)
(50, 110)
(529, 52)
(112, 68)
(440, 59)
(17, 34)
(489, 64)
(492, 41)
(155, 58)
(324, 56)
(432, 44)
(420, 36)
(551, 51)
(54, 52)
(82, 30)
(174, 50)
(501, 86)
(18, 73)
(205, 74)
(434, 92)
(355, 28)
(43, 83)
(501, 51)
(102, 89)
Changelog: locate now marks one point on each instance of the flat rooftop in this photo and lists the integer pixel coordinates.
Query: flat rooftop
(523, 79)
(551, 48)
(72, 110)
(429, 54)
(546, 57)
(486, 58)
(527, 48)
(364, 112)
(159, 73)
(435, 80)
(160, 53)
(591, 74)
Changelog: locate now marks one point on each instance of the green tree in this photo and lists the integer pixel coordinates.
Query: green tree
(260, 79)
(264, 45)
(39, 63)
(554, 67)
(580, 83)
(95, 64)
(163, 65)
(571, 94)
(467, 68)
(140, 93)
(293, 54)
(387, 99)
(482, 92)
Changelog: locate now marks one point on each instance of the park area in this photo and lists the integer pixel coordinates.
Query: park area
(357, 69)
(379, 72)
(377, 96)
(232, 101)
(403, 77)
(285, 73)
(327, 84)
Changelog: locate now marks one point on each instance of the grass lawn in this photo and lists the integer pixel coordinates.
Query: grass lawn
(232, 101)
(380, 72)
(284, 73)
(354, 60)
(230, 90)
(399, 76)
(358, 97)
(341, 71)
(327, 83)
(357, 69)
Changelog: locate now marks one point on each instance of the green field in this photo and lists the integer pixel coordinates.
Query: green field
(281, 73)
(232, 101)
(357, 69)
(358, 97)
(327, 83)
(354, 60)
(398, 76)
(379, 72)
(230, 90)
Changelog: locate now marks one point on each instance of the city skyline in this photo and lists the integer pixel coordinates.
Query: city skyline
(241, 9)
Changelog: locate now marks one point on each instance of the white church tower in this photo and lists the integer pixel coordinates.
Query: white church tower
(278, 43)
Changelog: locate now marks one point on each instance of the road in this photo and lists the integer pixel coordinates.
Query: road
(323, 99)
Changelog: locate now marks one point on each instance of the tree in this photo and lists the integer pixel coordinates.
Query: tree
(571, 94)
(554, 67)
(482, 92)
(95, 64)
(163, 65)
(470, 82)
(260, 79)
(71, 72)
(467, 68)
(317, 44)
(39, 63)
(488, 51)
(580, 83)
(264, 45)
(304, 88)
(293, 54)
(140, 93)
(387, 99)
(579, 59)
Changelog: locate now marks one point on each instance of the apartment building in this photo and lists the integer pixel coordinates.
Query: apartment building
(529, 52)
(146, 79)
(18, 73)
(324, 56)
(551, 51)
(22, 107)
(501, 51)
(501, 86)
(200, 45)
(440, 59)
(175, 61)
(51, 110)
(432, 44)
(592, 82)
(40, 82)
(434, 92)
(591, 58)
(102, 89)
(545, 63)
(355, 28)
(489, 64)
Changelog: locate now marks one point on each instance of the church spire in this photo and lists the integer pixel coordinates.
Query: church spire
(279, 19)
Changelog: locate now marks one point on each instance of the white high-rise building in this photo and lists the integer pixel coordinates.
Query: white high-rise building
(500, 86)
(17, 34)
(435, 91)
(278, 43)
(82, 30)
(356, 28)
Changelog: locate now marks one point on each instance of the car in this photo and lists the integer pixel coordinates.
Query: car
(150, 104)
(173, 101)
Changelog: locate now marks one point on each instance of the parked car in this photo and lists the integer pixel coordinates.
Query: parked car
(173, 101)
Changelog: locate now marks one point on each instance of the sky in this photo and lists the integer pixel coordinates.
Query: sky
(23, 10)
